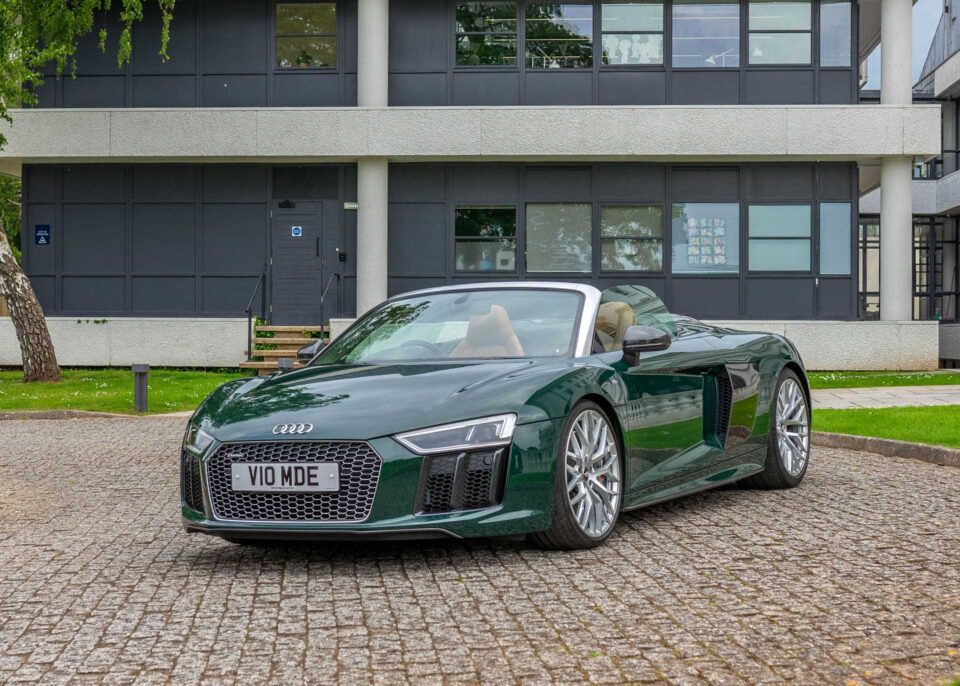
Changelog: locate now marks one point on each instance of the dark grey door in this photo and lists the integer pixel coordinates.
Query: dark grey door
(296, 268)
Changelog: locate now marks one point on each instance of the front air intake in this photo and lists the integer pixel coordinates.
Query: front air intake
(462, 481)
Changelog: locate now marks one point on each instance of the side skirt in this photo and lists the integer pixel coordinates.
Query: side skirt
(694, 483)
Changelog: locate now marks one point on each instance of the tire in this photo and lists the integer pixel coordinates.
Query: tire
(788, 454)
(603, 485)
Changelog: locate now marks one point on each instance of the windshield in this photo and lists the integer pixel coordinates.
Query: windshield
(482, 324)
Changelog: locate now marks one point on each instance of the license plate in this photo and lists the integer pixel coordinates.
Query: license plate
(277, 477)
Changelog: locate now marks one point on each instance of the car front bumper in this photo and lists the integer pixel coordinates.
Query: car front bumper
(528, 473)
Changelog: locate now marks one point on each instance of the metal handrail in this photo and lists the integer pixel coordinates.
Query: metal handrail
(261, 286)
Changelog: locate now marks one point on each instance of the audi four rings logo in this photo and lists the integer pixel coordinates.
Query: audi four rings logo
(290, 429)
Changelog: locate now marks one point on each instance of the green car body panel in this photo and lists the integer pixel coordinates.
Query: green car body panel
(664, 404)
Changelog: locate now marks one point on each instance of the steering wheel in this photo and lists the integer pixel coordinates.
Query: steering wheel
(426, 345)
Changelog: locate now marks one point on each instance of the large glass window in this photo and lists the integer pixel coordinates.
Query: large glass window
(487, 33)
(632, 32)
(869, 269)
(706, 237)
(835, 30)
(486, 239)
(559, 237)
(306, 35)
(835, 237)
(780, 32)
(559, 36)
(779, 238)
(631, 238)
(706, 33)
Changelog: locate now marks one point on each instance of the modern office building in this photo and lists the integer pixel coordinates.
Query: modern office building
(713, 150)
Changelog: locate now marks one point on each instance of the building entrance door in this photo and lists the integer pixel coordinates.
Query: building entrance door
(297, 264)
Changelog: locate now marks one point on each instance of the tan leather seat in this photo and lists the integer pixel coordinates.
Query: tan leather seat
(490, 335)
(613, 320)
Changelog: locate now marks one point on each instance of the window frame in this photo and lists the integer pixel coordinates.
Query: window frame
(667, 14)
(737, 273)
(601, 205)
(814, 21)
(852, 36)
(587, 273)
(810, 238)
(592, 4)
(672, 37)
(472, 239)
(519, 58)
(335, 35)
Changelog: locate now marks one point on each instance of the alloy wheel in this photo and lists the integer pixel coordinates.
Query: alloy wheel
(593, 474)
(793, 427)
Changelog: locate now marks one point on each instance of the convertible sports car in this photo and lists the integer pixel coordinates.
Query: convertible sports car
(497, 409)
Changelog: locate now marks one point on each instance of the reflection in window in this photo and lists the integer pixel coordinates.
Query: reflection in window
(780, 238)
(780, 32)
(835, 29)
(835, 237)
(632, 33)
(706, 33)
(559, 36)
(631, 238)
(486, 33)
(486, 239)
(869, 270)
(558, 237)
(306, 35)
(706, 238)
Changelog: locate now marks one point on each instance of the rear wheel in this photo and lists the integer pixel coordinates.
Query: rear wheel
(788, 443)
(589, 484)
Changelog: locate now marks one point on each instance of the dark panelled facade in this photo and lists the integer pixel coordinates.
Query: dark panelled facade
(221, 55)
(424, 200)
(188, 241)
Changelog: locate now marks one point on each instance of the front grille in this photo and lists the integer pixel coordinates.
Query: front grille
(464, 481)
(359, 474)
(190, 489)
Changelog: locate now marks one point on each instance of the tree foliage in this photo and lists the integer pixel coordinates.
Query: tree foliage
(10, 211)
(35, 33)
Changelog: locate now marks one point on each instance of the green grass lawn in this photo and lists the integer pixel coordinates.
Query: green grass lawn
(871, 379)
(930, 425)
(111, 390)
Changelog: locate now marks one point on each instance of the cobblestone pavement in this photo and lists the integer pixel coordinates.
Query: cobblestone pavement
(888, 396)
(852, 578)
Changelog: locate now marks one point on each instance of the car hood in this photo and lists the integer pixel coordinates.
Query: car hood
(369, 401)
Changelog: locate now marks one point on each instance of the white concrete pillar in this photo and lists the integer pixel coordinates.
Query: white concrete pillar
(373, 53)
(896, 239)
(896, 56)
(372, 214)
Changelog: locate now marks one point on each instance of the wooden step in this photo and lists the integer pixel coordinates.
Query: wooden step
(291, 329)
(285, 340)
(290, 354)
(264, 368)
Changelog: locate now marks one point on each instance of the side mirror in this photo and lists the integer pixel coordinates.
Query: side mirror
(644, 339)
(311, 350)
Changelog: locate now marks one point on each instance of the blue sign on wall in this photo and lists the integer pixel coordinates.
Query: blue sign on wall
(41, 234)
(296, 231)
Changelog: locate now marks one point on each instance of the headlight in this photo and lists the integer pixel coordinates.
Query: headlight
(195, 440)
(471, 435)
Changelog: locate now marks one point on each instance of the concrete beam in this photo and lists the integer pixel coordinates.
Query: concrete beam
(408, 134)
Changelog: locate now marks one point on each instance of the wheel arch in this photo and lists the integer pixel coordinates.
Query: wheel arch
(794, 367)
(611, 411)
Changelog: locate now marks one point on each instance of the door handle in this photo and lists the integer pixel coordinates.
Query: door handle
(318, 246)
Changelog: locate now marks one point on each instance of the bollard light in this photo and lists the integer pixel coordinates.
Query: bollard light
(140, 372)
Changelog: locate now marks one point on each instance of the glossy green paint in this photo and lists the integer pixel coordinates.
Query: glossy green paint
(657, 403)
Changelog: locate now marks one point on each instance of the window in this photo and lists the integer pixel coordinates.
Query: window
(487, 33)
(835, 30)
(706, 33)
(558, 237)
(780, 32)
(306, 35)
(706, 238)
(632, 33)
(779, 238)
(869, 271)
(835, 236)
(631, 238)
(559, 36)
(486, 239)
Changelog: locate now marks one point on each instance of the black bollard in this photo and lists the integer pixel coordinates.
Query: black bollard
(140, 372)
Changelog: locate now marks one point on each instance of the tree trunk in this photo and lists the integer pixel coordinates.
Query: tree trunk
(36, 348)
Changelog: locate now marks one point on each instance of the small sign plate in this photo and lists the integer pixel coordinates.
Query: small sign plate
(296, 231)
(41, 234)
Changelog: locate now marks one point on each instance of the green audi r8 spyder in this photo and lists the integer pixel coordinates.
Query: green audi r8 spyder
(492, 410)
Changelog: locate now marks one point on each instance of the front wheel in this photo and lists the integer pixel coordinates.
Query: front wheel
(589, 484)
(788, 444)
